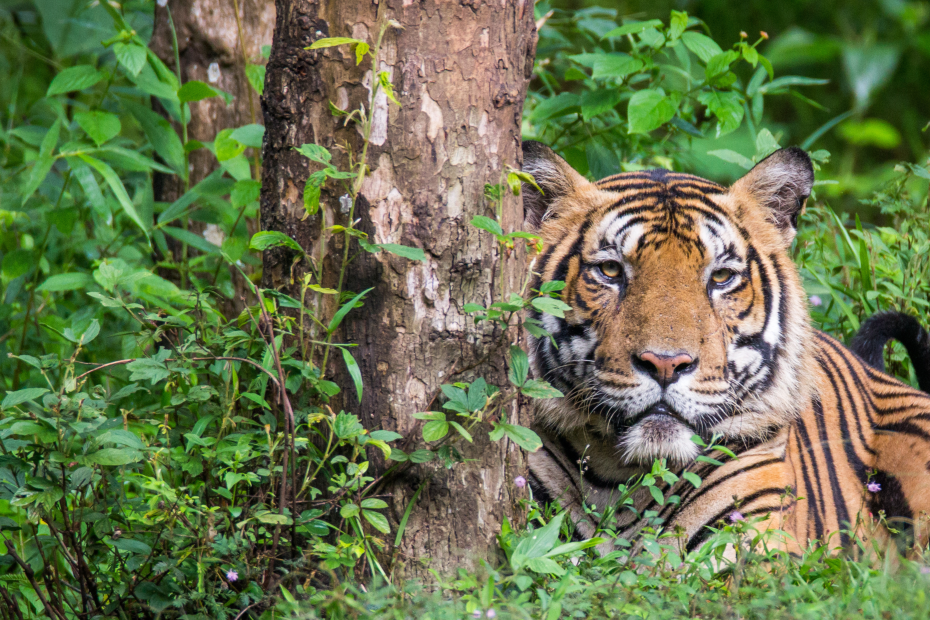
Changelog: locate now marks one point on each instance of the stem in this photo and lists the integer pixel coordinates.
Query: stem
(184, 117)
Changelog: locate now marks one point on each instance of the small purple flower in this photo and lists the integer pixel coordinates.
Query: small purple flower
(873, 487)
(925, 570)
(232, 575)
(476, 614)
(491, 613)
(815, 300)
(520, 482)
(735, 516)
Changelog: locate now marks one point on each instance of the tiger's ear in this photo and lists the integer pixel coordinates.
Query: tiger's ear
(554, 177)
(780, 184)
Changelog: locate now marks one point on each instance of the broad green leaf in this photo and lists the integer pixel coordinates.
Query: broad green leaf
(378, 520)
(116, 186)
(17, 263)
(537, 388)
(519, 366)
(522, 436)
(726, 106)
(677, 25)
(195, 90)
(701, 45)
(348, 511)
(131, 545)
(272, 238)
(485, 223)
(541, 541)
(435, 430)
(315, 152)
(87, 180)
(650, 109)
(100, 126)
(693, 478)
(404, 251)
(44, 161)
(256, 77)
(334, 41)
(112, 457)
(720, 63)
(65, 282)
(130, 56)
(385, 435)
(555, 307)
(249, 135)
(73, 78)
(245, 192)
(544, 566)
(226, 147)
(421, 456)
(615, 65)
(354, 371)
(554, 106)
(19, 397)
(594, 102)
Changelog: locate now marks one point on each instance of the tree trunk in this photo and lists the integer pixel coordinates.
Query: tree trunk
(208, 40)
(460, 72)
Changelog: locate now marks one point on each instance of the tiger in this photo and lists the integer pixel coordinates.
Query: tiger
(688, 317)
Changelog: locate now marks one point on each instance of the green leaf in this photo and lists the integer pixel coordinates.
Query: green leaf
(272, 238)
(249, 135)
(132, 546)
(720, 63)
(485, 223)
(522, 436)
(348, 511)
(435, 430)
(702, 46)
(88, 182)
(595, 102)
(632, 28)
(404, 251)
(130, 56)
(377, 520)
(192, 239)
(347, 426)
(73, 78)
(354, 371)
(422, 456)
(549, 305)
(256, 77)
(160, 133)
(315, 152)
(650, 109)
(519, 366)
(544, 566)
(541, 541)
(17, 263)
(116, 186)
(13, 399)
(726, 106)
(334, 41)
(386, 435)
(245, 192)
(113, 457)
(65, 282)
(100, 126)
(461, 431)
(615, 65)
(537, 388)
(226, 147)
(195, 90)
(677, 24)
(44, 161)
(554, 106)
(374, 503)
(344, 310)
(693, 478)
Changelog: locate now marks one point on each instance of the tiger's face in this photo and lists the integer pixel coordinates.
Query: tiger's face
(687, 313)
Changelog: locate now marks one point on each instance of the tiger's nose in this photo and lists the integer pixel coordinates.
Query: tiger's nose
(666, 369)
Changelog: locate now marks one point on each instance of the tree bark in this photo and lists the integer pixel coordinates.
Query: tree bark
(460, 72)
(208, 41)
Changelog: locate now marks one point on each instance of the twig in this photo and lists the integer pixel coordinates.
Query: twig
(196, 359)
(30, 575)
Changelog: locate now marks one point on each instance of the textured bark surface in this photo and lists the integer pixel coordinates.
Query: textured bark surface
(460, 71)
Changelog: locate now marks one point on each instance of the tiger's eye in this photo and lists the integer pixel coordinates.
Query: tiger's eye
(611, 269)
(721, 276)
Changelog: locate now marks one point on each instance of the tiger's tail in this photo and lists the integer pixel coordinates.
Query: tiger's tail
(869, 342)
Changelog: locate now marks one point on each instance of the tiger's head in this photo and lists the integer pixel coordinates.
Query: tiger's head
(687, 313)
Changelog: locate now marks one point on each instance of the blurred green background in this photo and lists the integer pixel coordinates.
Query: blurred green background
(875, 54)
